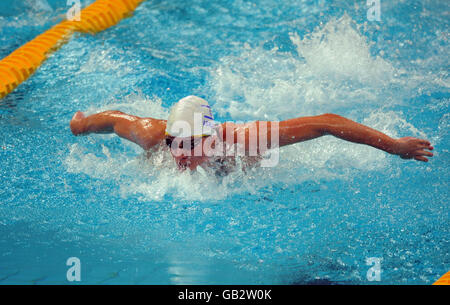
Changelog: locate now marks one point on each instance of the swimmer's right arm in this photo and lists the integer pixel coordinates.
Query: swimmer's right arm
(146, 132)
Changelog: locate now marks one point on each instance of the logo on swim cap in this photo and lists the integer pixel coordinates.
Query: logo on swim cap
(190, 116)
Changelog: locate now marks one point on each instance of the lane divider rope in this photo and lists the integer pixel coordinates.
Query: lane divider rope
(444, 280)
(23, 62)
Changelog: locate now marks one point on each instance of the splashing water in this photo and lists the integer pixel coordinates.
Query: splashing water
(316, 216)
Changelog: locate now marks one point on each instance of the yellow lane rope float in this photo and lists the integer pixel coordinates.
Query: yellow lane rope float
(21, 64)
(444, 280)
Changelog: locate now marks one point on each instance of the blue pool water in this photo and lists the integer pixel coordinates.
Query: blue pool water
(315, 218)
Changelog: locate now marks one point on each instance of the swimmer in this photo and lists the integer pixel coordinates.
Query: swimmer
(182, 133)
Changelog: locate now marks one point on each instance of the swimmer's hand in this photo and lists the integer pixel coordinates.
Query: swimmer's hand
(76, 123)
(409, 148)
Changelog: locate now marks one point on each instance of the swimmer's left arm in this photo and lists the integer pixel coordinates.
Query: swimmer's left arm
(307, 128)
(289, 132)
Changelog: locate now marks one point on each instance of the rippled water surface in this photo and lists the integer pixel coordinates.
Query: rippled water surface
(316, 217)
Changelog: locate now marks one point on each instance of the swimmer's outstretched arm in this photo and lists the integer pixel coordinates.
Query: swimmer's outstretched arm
(306, 128)
(146, 132)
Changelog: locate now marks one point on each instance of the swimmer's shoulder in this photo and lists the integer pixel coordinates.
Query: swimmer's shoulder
(149, 132)
(227, 127)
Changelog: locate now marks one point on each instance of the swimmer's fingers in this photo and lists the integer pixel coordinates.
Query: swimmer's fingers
(413, 148)
(421, 158)
(425, 153)
(425, 142)
(420, 155)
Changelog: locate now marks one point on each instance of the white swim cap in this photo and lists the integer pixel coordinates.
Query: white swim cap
(189, 117)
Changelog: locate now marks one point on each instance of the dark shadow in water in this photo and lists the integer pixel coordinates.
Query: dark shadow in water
(10, 101)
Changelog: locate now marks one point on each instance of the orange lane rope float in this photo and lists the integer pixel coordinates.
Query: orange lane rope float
(444, 280)
(21, 64)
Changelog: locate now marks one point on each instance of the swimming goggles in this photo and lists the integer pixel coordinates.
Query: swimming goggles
(194, 141)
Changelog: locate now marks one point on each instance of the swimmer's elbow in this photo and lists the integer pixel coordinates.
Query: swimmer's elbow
(330, 117)
(327, 121)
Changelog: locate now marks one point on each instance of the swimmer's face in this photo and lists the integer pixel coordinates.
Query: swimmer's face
(187, 152)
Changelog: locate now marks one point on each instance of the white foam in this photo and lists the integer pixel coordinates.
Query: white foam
(335, 71)
(39, 5)
(100, 60)
(339, 52)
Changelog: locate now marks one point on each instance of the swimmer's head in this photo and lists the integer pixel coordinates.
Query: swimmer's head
(190, 117)
(190, 122)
